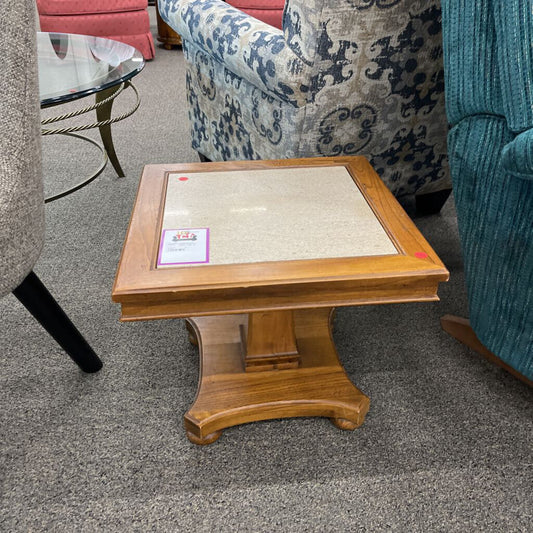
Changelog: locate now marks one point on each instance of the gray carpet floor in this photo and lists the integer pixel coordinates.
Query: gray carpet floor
(446, 446)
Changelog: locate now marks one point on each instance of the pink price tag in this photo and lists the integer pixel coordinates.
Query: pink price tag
(183, 178)
(183, 246)
(421, 255)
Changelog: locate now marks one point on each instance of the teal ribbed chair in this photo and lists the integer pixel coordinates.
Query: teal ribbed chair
(488, 54)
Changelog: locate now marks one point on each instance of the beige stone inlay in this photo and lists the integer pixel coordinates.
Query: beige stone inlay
(276, 214)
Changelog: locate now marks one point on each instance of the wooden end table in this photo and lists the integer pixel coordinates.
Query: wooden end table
(256, 255)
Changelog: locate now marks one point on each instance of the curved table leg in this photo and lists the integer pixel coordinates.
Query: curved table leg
(231, 392)
(193, 339)
(86, 181)
(103, 113)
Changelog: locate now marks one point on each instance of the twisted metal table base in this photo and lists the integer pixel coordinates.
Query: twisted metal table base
(88, 180)
(103, 106)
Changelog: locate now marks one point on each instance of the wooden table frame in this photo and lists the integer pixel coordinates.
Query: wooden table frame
(264, 329)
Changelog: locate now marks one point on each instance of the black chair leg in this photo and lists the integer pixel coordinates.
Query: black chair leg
(431, 203)
(41, 304)
(203, 159)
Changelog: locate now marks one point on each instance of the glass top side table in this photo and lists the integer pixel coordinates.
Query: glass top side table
(75, 66)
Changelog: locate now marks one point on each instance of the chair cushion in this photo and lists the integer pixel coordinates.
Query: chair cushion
(81, 7)
(144, 42)
(258, 4)
(101, 25)
(269, 11)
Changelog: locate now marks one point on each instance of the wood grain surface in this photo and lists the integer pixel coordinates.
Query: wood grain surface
(146, 292)
(228, 395)
(264, 328)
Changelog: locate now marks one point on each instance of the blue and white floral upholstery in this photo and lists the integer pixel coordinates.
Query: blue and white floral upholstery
(342, 77)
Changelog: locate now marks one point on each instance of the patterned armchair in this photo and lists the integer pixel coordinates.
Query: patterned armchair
(341, 77)
(489, 75)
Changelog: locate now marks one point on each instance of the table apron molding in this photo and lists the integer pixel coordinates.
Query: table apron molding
(149, 310)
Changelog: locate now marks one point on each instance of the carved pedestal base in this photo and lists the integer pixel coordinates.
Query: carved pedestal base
(229, 394)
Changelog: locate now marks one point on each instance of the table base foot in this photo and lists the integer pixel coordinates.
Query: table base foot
(228, 395)
(208, 439)
(347, 425)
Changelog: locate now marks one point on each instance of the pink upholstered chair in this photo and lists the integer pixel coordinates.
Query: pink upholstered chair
(269, 11)
(122, 20)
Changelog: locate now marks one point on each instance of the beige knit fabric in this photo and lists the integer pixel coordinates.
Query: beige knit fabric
(21, 188)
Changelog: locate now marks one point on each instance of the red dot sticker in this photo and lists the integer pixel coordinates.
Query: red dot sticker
(421, 255)
(183, 178)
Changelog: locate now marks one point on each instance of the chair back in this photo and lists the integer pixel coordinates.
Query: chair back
(21, 187)
(375, 68)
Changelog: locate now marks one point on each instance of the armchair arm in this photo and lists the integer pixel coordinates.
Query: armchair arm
(517, 156)
(248, 47)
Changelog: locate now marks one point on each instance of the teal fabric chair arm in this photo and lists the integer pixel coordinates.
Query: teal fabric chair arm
(517, 156)
(248, 47)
